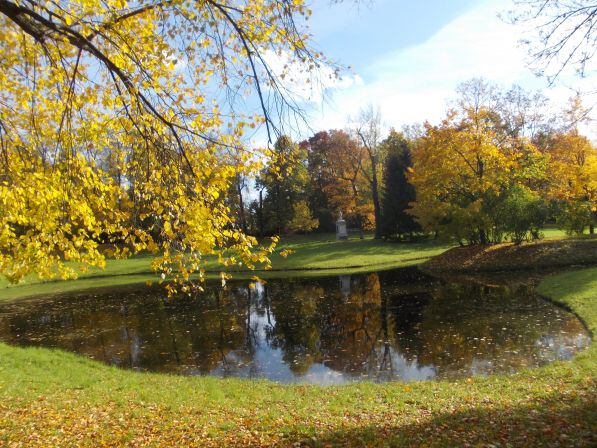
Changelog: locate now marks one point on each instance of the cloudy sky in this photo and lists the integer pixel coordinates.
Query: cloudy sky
(408, 57)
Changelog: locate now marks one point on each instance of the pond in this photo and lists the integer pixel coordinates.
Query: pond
(399, 325)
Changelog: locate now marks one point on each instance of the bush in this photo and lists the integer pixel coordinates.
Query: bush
(574, 217)
(521, 214)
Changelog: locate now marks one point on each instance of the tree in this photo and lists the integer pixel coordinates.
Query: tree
(521, 214)
(523, 114)
(519, 112)
(398, 193)
(575, 114)
(575, 216)
(236, 199)
(285, 180)
(573, 165)
(368, 128)
(302, 221)
(464, 168)
(348, 189)
(565, 34)
(318, 149)
(82, 79)
(337, 183)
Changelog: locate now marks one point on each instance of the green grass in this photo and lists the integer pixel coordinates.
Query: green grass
(314, 255)
(577, 291)
(325, 252)
(52, 398)
(551, 232)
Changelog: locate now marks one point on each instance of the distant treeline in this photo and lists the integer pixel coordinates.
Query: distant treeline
(498, 166)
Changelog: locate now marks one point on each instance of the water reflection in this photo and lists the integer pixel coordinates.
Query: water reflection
(395, 325)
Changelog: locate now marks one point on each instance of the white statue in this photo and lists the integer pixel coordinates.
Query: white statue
(341, 232)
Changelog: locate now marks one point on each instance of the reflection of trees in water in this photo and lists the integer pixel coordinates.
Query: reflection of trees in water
(296, 331)
(325, 323)
(406, 314)
(367, 325)
(453, 328)
(475, 329)
(351, 326)
(220, 331)
(148, 332)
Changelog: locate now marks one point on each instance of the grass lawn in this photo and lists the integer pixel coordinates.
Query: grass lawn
(52, 398)
(552, 232)
(314, 255)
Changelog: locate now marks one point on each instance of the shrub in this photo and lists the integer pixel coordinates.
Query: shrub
(574, 217)
(521, 214)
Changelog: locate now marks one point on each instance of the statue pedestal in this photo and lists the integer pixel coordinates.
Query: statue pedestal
(341, 233)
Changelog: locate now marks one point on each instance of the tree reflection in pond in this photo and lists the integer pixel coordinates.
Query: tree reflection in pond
(395, 325)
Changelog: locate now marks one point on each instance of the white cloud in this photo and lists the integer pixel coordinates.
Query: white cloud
(307, 84)
(414, 84)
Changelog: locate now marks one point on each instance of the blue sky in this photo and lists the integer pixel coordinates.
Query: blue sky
(407, 57)
(359, 33)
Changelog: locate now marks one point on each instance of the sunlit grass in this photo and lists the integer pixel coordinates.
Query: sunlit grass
(313, 255)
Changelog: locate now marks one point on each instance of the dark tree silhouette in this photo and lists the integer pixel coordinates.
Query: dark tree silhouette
(398, 193)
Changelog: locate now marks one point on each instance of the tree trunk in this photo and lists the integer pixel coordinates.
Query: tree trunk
(278, 211)
(361, 232)
(241, 207)
(261, 213)
(375, 195)
(355, 194)
(482, 236)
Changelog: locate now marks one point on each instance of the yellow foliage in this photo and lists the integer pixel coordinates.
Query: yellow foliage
(460, 166)
(573, 164)
(108, 141)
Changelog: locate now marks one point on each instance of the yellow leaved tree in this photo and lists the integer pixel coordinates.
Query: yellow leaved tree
(573, 164)
(476, 179)
(120, 128)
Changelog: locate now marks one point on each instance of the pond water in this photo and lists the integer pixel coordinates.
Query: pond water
(394, 325)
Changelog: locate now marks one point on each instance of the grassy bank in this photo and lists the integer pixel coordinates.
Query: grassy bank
(542, 254)
(52, 398)
(314, 255)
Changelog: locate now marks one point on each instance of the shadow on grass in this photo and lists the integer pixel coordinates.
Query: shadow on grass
(562, 421)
